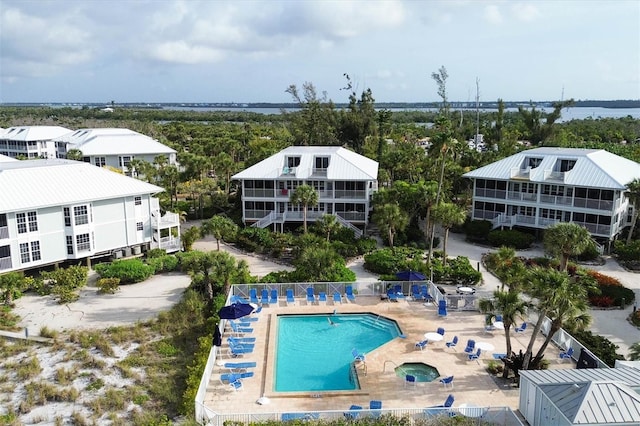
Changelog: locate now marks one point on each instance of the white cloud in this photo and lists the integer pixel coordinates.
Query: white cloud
(492, 14)
(185, 53)
(525, 11)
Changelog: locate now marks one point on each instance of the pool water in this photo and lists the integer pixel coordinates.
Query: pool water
(421, 371)
(314, 354)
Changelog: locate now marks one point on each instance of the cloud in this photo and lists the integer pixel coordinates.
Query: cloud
(492, 14)
(34, 46)
(525, 12)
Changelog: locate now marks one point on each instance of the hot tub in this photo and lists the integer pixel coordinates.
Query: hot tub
(421, 371)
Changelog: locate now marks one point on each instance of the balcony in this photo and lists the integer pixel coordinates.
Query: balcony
(319, 172)
(352, 216)
(357, 195)
(522, 196)
(169, 244)
(168, 220)
(554, 176)
(593, 204)
(491, 193)
(5, 263)
(262, 192)
(518, 173)
(556, 200)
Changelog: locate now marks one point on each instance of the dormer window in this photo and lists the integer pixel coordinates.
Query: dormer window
(567, 165)
(293, 161)
(321, 162)
(532, 162)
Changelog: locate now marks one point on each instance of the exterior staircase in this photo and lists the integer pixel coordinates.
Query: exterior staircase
(274, 217)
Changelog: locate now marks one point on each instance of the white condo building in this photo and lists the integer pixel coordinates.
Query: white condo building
(57, 210)
(115, 147)
(345, 182)
(31, 141)
(539, 187)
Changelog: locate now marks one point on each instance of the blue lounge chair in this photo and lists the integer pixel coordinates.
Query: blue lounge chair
(273, 299)
(232, 377)
(236, 385)
(440, 331)
(253, 296)
(233, 339)
(349, 294)
(357, 356)
(499, 356)
(425, 293)
(476, 356)
(416, 293)
(391, 295)
(498, 318)
(398, 290)
(311, 296)
(235, 351)
(354, 412)
(442, 409)
(264, 297)
(409, 380)
(566, 354)
(240, 330)
(237, 366)
(375, 406)
(322, 297)
(422, 344)
(442, 308)
(238, 299)
(522, 328)
(447, 381)
(337, 298)
(471, 345)
(299, 416)
(290, 299)
(452, 344)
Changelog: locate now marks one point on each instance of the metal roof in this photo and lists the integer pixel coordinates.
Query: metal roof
(41, 183)
(595, 168)
(33, 133)
(343, 164)
(112, 141)
(592, 395)
(4, 158)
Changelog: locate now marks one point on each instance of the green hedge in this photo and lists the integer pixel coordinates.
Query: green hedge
(129, 271)
(627, 252)
(510, 238)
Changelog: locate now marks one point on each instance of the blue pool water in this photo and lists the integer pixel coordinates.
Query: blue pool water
(314, 355)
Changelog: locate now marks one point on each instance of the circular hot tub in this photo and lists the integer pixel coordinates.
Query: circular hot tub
(421, 371)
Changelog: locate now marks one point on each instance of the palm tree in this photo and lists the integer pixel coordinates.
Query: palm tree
(508, 267)
(448, 215)
(74, 154)
(306, 196)
(390, 219)
(633, 193)
(566, 239)
(11, 286)
(634, 352)
(220, 227)
(511, 307)
(328, 224)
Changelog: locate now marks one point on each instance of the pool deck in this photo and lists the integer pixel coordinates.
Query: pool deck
(472, 384)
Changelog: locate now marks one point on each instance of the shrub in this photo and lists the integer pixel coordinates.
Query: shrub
(166, 263)
(627, 252)
(477, 230)
(510, 238)
(366, 245)
(157, 252)
(635, 318)
(462, 272)
(601, 301)
(590, 253)
(610, 288)
(600, 346)
(255, 240)
(389, 261)
(108, 285)
(128, 271)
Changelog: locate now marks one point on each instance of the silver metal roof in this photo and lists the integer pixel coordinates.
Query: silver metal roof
(4, 158)
(33, 133)
(112, 141)
(595, 168)
(343, 164)
(35, 184)
(593, 395)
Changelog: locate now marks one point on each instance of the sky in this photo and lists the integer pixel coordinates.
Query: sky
(98, 51)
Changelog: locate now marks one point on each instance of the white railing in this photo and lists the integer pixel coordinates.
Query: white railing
(517, 172)
(355, 216)
(555, 199)
(522, 196)
(593, 204)
(169, 244)
(359, 195)
(260, 193)
(491, 193)
(167, 220)
(265, 221)
(551, 175)
(349, 225)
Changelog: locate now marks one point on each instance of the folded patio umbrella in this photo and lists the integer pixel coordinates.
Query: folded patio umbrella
(235, 311)
(410, 276)
(217, 338)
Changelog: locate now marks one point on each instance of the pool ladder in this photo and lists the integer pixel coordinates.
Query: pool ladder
(384, 367)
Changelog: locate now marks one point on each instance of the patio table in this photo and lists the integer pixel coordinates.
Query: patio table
(466, 290)
(485, 346)
(433, 336)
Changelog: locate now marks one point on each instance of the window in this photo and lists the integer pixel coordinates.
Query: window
(5, 251)
(100, 161)
(22, 223)
(83, 243)
(33, 221)
(81, 215)
(139, 226)
(533, 162)
(67, 216)
(125, 161)
(293, 161)
(35, 250)
(69, 244)
(25, 257)
(567, 165)
(322, 162)
(137, 201)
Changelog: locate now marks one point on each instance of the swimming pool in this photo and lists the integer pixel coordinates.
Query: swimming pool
(314, 355)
